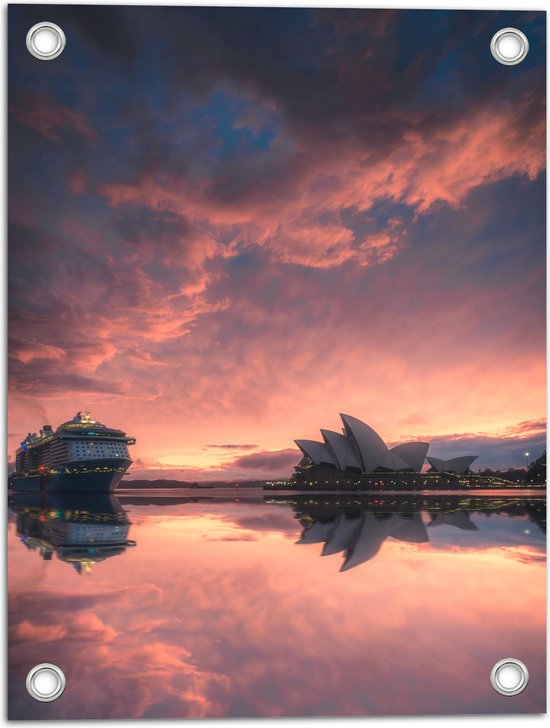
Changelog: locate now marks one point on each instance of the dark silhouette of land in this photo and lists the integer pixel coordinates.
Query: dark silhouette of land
(161, 484)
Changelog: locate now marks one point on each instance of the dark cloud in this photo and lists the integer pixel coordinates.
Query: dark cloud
(58, 601)
(140, 225)
(235, 447)
(495, 450)
(269, 462)
(239, 537)
(34, 381)
(284, 522)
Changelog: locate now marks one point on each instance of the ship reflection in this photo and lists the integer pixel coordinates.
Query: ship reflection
(81, 530)
(358, 531)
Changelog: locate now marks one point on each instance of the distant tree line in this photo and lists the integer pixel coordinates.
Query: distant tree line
(161, 483)
(536, 472)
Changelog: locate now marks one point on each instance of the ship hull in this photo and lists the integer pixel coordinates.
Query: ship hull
(98, 477)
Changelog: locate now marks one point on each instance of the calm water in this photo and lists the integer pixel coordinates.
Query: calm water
(219, 606)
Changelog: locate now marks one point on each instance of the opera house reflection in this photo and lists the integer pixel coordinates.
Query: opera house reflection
(199, 598)
(81, 531)
(358, 531)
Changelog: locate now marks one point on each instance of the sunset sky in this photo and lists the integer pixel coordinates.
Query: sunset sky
(229, 225)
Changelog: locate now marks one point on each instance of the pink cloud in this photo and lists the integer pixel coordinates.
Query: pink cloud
(50, 119)
(424, 165)
(249, 362)
(270, 463)
(252, 298)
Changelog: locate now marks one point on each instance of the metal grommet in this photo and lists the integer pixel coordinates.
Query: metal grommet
(509, 676)
(46, 682)
(45, 41)
(509, 46)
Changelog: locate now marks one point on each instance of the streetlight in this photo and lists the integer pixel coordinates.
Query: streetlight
(527, 460)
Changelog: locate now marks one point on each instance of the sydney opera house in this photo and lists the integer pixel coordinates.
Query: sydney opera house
(359, 456)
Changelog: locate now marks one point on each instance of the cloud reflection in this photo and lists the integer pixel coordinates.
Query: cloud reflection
(206, 627)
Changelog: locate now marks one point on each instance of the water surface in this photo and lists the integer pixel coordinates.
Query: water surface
(170, 606)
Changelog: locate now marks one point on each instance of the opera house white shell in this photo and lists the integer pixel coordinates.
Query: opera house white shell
(361, 449)
(454, 465)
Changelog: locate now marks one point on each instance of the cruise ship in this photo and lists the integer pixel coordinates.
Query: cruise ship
(82, 455)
